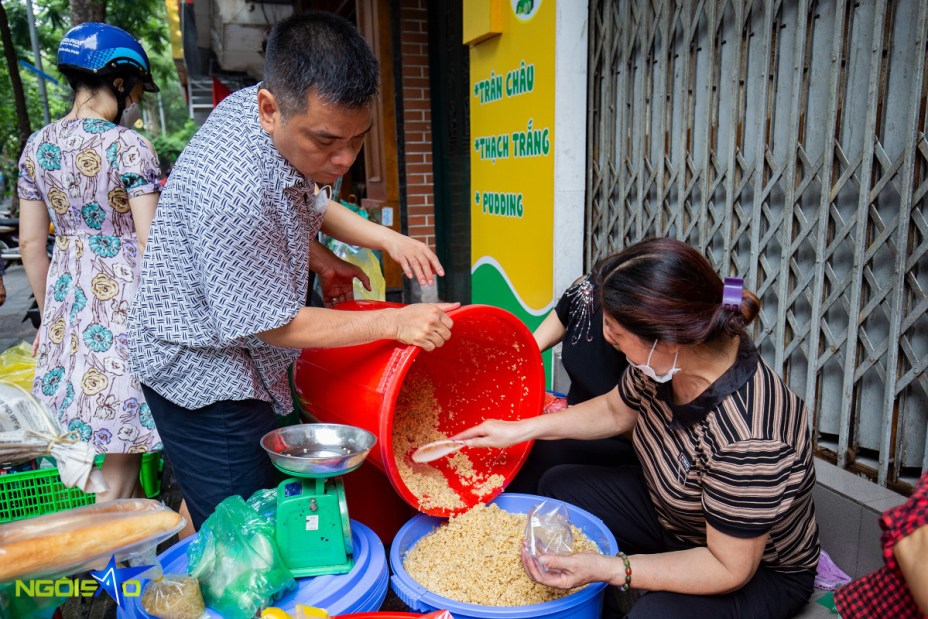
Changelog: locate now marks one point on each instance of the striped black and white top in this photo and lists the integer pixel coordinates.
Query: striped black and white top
(738, 457)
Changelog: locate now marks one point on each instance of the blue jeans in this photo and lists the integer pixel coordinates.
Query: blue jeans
(215, 450)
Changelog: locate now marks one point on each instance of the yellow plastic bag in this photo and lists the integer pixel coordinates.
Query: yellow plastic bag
(17, 366)
(367, 260)
(301, 612)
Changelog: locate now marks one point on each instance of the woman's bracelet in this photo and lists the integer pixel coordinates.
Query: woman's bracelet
(628, 572)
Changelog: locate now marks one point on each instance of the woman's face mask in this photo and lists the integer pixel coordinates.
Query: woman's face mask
(648, 371)
(130, 115)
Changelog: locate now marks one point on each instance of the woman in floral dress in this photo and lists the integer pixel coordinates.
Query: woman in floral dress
(97, 183)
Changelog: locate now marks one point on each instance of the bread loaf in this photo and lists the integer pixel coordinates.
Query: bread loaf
(56, 543)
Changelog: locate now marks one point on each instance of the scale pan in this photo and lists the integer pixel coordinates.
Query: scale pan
(318, 449)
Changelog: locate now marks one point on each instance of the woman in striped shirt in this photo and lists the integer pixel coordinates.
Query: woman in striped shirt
(718, 519)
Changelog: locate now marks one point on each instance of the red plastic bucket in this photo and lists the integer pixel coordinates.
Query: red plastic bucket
(490, 368)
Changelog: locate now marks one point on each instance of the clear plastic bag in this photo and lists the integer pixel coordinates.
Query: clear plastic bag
(236, 559)
(174, 596)
(547, 530)
(265, 503)
(28, 430)
(84, 538)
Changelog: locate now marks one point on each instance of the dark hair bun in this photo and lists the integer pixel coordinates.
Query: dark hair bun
(750, 306)
(734, 322)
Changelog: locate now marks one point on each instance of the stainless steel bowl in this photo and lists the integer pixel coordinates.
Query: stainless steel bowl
(318, 449)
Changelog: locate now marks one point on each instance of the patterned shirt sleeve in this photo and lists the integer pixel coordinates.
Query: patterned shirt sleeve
(26, 186)
(248, 278)
(138, 165)
(750, 485)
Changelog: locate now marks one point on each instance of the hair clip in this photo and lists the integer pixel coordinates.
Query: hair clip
(731, 295)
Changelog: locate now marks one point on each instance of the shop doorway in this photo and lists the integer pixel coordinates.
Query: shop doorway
(450, 71)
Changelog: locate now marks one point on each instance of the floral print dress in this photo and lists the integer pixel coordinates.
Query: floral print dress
(85, 170)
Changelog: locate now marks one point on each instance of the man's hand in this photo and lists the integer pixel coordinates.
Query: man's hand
(424, 324)
(337, 282)
(336, 276)
(415, 257)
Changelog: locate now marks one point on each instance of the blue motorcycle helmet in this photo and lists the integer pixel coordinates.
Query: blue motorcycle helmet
(105, 51)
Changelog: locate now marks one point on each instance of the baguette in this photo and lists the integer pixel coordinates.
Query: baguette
(56, 543)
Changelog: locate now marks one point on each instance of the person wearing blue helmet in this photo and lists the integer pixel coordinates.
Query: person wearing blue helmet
(110, 54)
(97, 181)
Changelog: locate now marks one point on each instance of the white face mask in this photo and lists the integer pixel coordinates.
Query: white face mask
(130, 115)
(649, 371)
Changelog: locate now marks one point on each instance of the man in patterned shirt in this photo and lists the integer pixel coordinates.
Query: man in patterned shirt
(220, 313)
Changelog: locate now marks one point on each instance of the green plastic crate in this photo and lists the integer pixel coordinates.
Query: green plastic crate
(33, 493)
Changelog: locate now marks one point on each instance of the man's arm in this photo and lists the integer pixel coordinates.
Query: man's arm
(420, 324)
(415, 257)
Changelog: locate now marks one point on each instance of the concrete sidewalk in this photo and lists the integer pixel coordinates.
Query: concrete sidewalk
(18, 299)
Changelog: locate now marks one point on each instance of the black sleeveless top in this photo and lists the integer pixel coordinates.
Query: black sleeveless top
(593, 365)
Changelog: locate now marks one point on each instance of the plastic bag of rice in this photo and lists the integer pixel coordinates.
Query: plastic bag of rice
(475, 558)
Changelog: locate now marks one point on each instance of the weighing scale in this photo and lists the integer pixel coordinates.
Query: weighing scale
(313, 530)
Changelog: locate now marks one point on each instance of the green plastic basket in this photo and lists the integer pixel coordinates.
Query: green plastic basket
(33, 493)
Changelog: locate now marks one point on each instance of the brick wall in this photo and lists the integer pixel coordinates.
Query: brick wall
(417, 120)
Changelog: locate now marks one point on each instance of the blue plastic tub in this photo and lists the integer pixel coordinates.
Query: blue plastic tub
(363, 589)
(584, 604)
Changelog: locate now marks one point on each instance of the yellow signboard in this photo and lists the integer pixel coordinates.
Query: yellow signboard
(177, 43)
(512, 157)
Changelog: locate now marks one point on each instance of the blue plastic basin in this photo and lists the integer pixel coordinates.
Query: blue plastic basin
(363, 589)
(584, 604)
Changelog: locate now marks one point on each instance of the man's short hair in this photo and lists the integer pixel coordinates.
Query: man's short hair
(321, 52)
